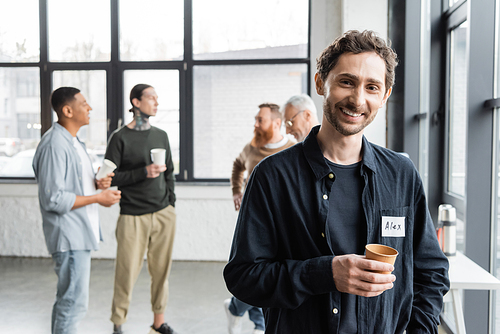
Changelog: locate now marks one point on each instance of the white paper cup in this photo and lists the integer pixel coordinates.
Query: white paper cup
(158, 156)
(107, 167)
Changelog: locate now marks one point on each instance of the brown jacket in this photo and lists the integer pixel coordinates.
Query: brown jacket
(248, 159)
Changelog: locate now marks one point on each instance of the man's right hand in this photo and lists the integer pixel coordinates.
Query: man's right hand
(237, 201)
(105, 182)
(155, 170)
(109, 197)
(354, 274)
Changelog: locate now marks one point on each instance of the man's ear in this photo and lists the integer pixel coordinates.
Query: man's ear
(277, 122)
(67, 111)
(307, 114)
(319, 84)
(389, 92)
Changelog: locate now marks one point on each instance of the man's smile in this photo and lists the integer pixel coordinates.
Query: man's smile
(349, 113)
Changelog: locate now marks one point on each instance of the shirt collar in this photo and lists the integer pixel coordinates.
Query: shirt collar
(65, 133)
(368, 155)
(282, 142)
(316, 160)
(313, 154)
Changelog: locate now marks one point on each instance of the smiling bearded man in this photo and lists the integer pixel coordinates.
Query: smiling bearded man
(308, 212)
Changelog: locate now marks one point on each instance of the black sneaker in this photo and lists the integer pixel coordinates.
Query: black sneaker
(117, 329)
(163, 329)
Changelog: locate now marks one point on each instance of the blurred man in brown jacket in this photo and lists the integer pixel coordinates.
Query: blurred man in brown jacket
(266, 141)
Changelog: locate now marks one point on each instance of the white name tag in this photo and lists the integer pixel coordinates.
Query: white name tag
(393, 226)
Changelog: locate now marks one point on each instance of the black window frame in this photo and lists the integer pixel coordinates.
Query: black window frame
(453, 18)
(115, 69)
(477, 207)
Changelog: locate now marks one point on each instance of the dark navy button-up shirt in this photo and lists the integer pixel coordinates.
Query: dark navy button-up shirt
(281, 259)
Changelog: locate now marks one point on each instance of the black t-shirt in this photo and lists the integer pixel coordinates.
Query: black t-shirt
(346, 228)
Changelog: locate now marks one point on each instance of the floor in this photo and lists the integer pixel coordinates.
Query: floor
(197, 293)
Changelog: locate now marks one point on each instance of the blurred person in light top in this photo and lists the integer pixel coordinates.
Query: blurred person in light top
(147, 214)
(67, 191)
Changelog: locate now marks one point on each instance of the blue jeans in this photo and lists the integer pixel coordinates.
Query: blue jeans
(238, 308)
(72, 299)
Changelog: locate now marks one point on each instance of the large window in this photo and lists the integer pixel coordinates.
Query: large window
(496, 183)
(153, 30)
(211, 62)
(19, 119)
(20, 124)
(457, 110)
(79, 31)
(496, 215)
(226, 100)
(423, 128)
(456, 116)
(466, 33)
(250, 29)
(457, 125)
(19, 34)
(463, 164)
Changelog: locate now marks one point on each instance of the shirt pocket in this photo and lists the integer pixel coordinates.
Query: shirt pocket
(400, 215)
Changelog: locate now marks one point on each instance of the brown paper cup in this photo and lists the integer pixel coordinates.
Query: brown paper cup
(381, 253)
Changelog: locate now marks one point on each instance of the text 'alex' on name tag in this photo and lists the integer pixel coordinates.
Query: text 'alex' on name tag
(393, 226)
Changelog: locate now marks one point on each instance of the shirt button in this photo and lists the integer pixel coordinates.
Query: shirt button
(323, 235)
(335, 311)
(331, 176)
(325, 196)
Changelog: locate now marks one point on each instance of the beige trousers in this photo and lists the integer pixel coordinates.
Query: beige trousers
(154, 233)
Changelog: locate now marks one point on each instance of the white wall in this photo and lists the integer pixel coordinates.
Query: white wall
(205, 223)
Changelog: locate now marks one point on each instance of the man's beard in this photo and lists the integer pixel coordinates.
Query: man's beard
(333, 118)
(262, 137)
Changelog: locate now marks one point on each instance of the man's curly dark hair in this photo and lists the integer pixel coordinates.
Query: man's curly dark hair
(357, 42)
